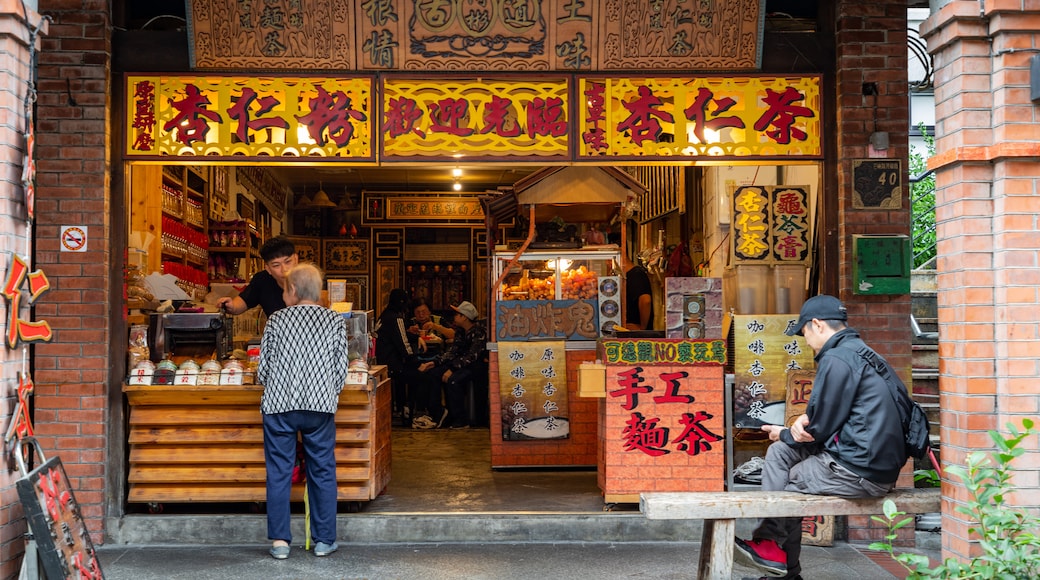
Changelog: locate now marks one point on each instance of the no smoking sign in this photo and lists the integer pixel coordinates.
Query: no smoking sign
(73, 238)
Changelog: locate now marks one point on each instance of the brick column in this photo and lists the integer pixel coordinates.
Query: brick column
(16, 26)
(987, 208)
(73, 371)
(871, 48)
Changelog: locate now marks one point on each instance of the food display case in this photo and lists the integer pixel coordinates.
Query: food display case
(581, 287)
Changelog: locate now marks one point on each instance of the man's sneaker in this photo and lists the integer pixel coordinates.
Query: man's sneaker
(323, 549)
(766, 555)
(798, 577)
(444, 416)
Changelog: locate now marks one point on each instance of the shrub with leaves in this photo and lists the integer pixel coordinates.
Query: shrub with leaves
(1007, 536)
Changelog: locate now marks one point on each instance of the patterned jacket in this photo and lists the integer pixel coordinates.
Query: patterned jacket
(303, 360)
(468, 349)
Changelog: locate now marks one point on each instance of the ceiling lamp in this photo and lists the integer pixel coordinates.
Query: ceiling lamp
(321, 199)
(304, 201)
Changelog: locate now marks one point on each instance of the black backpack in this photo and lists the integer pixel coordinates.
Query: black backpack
(915, 422)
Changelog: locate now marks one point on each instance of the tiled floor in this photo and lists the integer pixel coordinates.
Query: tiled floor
(446, 470)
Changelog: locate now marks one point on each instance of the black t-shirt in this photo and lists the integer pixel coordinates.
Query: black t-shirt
(264, 290)
(637, 283)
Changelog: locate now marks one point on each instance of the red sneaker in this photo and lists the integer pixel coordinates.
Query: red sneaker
(766, 555)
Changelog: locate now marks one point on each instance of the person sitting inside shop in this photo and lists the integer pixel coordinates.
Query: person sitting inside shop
(266, 286)
(411, 395)
(426, 324)
(463, 361)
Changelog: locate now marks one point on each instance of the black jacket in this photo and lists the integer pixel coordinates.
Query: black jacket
(852, 414)
(468, 349)
(392, 346)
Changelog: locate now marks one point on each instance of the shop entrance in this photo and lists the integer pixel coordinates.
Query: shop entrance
(338, 219)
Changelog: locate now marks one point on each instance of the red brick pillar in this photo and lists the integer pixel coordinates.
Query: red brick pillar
(871, 48)
(16, 28)
(987, 206)
(73, 371)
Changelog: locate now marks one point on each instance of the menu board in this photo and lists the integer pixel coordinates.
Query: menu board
(762, 357)
(533, 376)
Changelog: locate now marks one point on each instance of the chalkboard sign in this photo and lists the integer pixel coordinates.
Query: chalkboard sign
(877, 183)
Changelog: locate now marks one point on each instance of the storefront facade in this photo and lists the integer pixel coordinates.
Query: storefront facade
(79, 407)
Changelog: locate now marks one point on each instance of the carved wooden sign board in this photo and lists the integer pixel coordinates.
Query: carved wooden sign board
(493, 35)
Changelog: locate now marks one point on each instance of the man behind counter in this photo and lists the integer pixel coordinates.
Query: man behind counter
(266, 287)
(639, 301)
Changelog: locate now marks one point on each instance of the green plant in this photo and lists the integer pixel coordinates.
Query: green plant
(1007, 535)
(922, 202)
(927, 478)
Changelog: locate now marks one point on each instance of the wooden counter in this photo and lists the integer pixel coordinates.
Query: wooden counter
(206, 444)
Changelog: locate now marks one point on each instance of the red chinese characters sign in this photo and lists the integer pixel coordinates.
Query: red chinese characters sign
(754, 116)
(65, 548)
(432, 118)
(19, 330)
(664, 429)
(506, 117)
(770, 224)
(250, 117)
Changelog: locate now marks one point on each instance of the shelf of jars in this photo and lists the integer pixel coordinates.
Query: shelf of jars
(184, 240)
(232, 245)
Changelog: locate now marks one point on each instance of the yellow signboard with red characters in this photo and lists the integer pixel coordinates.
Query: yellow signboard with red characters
(516, 117)
(287, 117)
(671, 117)
(430, 118)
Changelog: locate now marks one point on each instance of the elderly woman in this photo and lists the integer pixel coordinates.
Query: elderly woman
(303, 366)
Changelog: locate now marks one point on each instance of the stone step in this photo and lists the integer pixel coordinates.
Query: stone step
(435, 527)
(924, 356)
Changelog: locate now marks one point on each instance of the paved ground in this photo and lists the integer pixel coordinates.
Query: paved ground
(656, 560)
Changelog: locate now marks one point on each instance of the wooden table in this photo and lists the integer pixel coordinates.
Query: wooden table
(205, 443)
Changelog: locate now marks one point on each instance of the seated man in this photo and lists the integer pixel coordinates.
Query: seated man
(849, 442)
(454, 367)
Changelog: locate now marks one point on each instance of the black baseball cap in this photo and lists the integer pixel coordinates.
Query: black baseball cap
(822, 307)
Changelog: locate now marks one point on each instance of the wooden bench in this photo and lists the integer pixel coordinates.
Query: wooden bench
(720, 510)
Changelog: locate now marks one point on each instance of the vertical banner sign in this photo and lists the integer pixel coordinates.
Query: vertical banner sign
(533, 376)
(762, 357)
(771, 224)
(816, 530)
(799, 387)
